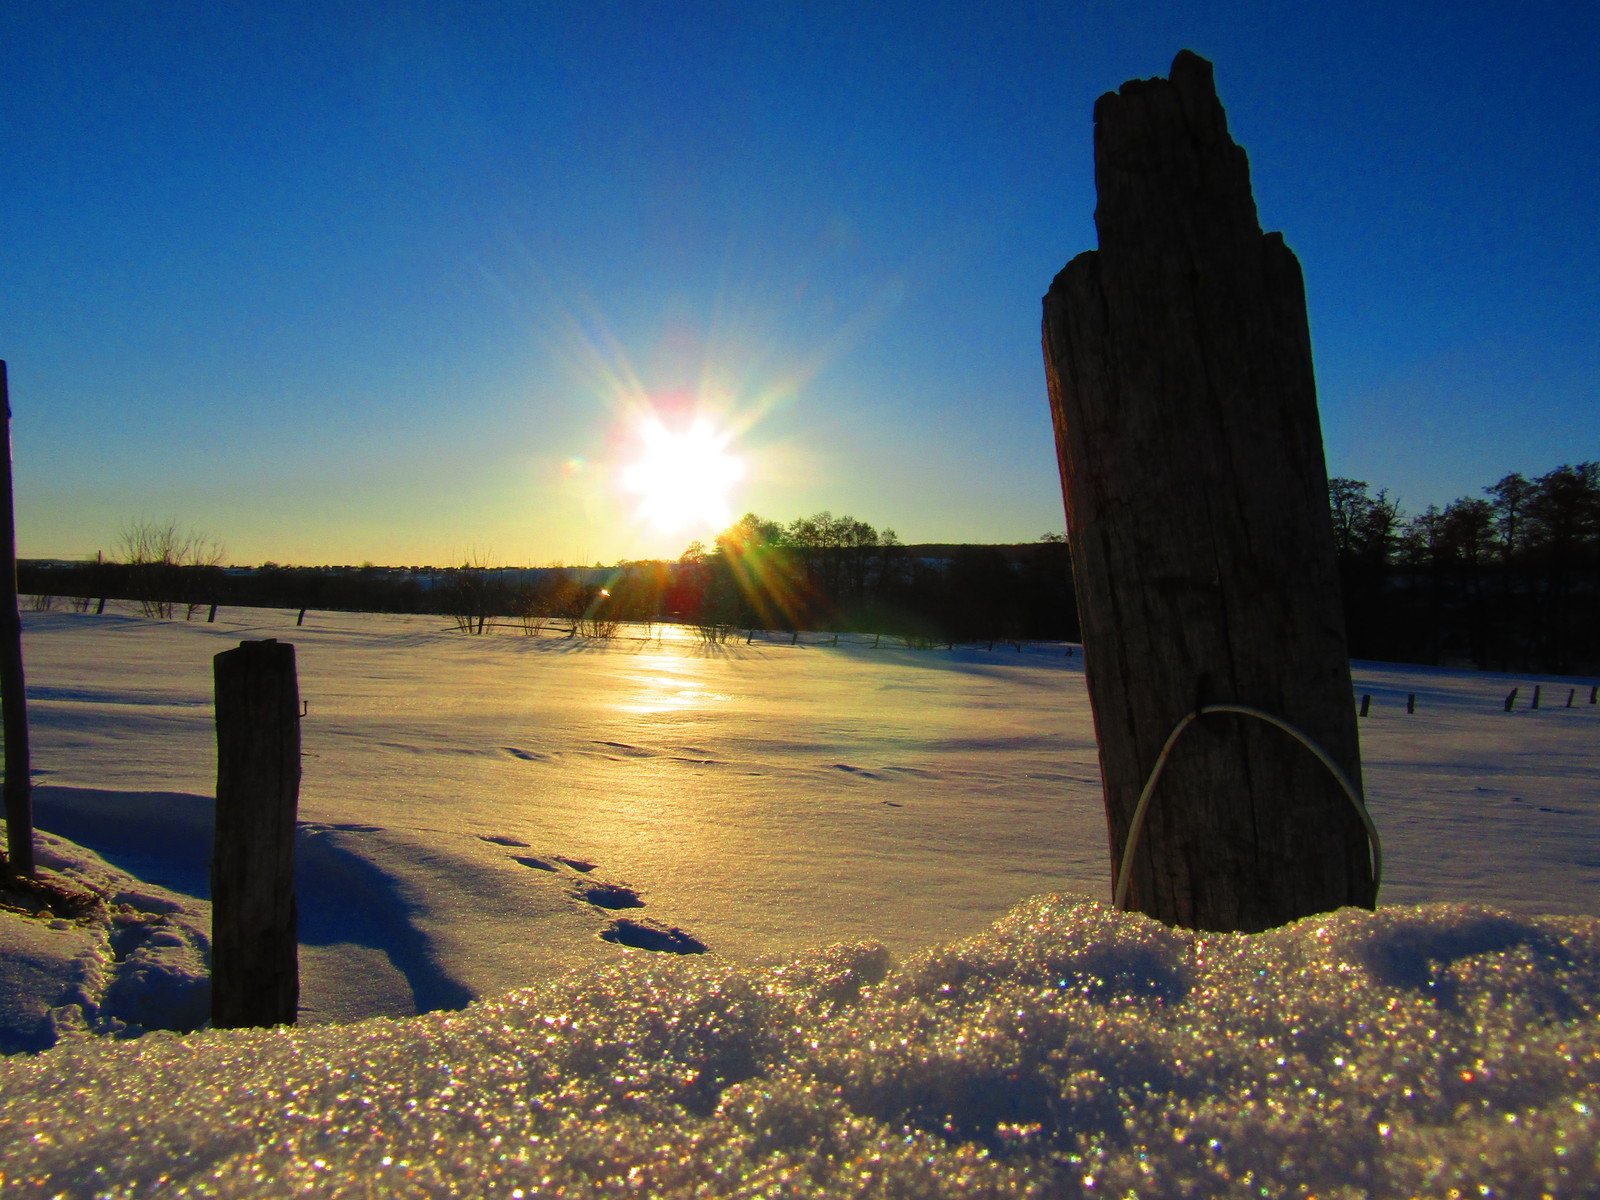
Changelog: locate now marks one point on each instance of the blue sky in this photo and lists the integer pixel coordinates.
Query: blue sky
(340, 282)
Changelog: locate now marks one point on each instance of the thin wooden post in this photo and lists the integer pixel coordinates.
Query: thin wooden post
(1572, 695)
(255, 974)
(211, 616)
(13, 685)
(1178, 359)
(1366, 704)
(1411, 702)
(99, 609)
(1511, 699)
(1537, 688)
(301, 619)
(1594, 693)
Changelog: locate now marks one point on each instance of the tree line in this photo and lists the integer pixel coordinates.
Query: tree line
(1508, 581)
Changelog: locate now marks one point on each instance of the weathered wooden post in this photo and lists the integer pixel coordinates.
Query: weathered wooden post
(1178, 359)
(13, 684)
(255, 972)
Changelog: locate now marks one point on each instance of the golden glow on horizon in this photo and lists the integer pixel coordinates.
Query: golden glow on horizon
(683, 479)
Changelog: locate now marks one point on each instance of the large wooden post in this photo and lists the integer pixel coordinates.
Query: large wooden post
(255, 973)
(1179, 366)
(13, 685)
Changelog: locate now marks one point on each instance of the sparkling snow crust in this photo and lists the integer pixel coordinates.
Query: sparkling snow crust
(1069, 1051)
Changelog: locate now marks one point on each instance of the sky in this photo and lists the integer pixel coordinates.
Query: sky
(337, 283)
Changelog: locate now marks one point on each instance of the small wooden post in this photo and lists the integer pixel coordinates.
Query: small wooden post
(1178, 361)
(1366, 704)
(1411, 702)
(1537, 688)
(1511, 699)
(1594, 693)
(1571, 696)
(255, 974)
(13, 685)
(212, 615)
(99, 609)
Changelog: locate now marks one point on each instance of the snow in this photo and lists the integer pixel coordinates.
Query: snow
(845, 829)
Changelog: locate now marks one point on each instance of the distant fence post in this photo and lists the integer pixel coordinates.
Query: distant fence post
(1537, 688)
(13, 686)
(255, 974)
(1511, 699)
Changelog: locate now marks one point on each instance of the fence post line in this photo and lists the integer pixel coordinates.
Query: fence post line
(255, 974)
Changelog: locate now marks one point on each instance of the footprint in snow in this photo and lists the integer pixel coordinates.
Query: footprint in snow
(625, 748)
(577, 864)
(607, 895)
(501, 839)
(651, 935)
(525, 755)
(538, 864)
(860, 772)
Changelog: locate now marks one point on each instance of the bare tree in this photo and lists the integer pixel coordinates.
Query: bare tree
(167, 565)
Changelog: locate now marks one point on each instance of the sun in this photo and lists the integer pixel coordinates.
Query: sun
(683, 479)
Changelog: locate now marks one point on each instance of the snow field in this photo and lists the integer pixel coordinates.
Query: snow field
(830, 823)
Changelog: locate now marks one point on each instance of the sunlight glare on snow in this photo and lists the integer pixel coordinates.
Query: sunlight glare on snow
(666, 683)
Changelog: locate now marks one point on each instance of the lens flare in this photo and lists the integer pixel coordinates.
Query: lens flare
(683, 479)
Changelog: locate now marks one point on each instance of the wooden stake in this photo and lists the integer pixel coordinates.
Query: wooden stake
(13, 685)
(1411, 702)
(1366, 704)
(255, 974)
(1178, 359)
(1537, 688)
(1511, 699)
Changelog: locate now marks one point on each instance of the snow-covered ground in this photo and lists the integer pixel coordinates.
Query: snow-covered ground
(468, 803)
